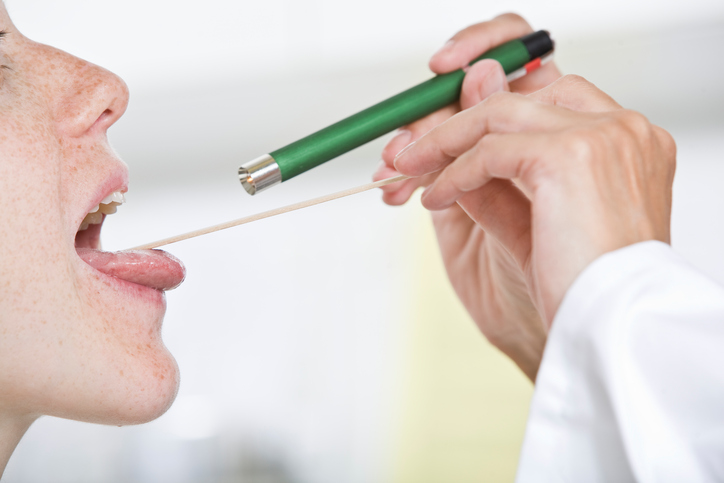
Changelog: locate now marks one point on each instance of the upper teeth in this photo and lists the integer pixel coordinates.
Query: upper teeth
(107, 206)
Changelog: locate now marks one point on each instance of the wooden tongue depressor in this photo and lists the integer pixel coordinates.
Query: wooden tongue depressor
(270, 213)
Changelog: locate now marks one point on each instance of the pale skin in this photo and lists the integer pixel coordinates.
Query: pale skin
(74, 343)
(528, 188)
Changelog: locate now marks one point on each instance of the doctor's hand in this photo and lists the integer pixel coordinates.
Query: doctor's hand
(485, 276)
(590, 177)
(482, 79)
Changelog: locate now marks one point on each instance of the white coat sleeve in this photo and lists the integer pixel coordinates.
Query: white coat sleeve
(631, 387)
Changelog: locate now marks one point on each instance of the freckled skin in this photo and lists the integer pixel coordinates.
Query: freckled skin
(72, 343)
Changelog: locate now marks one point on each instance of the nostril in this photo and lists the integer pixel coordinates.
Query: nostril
(102, 119)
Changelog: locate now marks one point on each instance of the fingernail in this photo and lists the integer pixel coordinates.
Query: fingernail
(425, 194)
(445, 48)
(495, 81)
(401, 153)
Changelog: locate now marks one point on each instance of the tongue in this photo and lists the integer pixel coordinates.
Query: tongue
(152, 268)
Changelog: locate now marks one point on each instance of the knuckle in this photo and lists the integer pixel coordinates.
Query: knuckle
(567, 87)
(668, 146)
(495, 110)
(580, 147)
(516, 18)
(631, 133)
(471, 31)
(635, 122)
(476, 160)
(620, 129)
(666, 140)
(573, 81)
(498, 99)
(503, 27)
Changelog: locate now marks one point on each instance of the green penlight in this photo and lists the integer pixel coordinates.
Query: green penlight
(408, 106)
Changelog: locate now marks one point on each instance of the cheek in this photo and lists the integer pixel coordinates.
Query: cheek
(35, 286)
(31, 225)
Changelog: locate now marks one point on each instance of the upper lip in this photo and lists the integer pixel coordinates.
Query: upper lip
(115, 181)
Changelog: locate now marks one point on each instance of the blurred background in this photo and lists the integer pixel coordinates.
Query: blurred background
(326, 345)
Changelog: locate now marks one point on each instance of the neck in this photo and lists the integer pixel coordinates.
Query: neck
(12, 428)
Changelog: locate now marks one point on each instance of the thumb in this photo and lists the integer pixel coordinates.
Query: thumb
(482, 79)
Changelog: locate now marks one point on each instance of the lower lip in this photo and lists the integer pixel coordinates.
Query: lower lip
(127, 290)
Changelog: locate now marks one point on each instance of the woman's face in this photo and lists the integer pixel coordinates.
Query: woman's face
(79, 328)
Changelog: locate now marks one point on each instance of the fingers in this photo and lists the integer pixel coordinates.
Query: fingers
(502, 112)
(536, 80)
(384, 172)
(483, 79)
(507, 156)
(413, 132)
(402, 138)
(473, 41)
(552, 108)
(399, 193)
(576, 93)
(394, 194)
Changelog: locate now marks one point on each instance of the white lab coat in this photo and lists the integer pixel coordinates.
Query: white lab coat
(631, 387)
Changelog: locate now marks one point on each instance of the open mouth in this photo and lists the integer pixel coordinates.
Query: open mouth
(151, 268)
(89, 233)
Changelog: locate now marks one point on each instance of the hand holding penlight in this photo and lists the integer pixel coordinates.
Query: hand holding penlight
(516, 57)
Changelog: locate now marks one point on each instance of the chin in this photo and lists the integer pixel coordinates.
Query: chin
(154, 396)
(139, 394)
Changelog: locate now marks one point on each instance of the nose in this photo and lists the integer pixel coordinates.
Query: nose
(91, 98)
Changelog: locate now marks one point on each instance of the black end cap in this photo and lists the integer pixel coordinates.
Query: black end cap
(538, 43)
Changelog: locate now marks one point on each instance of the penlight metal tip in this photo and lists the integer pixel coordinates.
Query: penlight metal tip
(260, 174)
